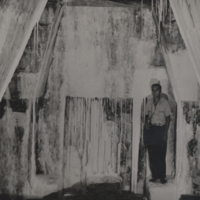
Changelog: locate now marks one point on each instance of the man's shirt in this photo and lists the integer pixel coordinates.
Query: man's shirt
(158, 113)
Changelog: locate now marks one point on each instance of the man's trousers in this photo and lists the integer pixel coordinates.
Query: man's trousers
(156, 143)
(157, 155)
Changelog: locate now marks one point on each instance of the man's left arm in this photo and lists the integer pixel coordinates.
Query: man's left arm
(167, 124)
(167, 117)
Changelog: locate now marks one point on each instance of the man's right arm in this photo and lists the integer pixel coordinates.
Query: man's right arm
(147, 110)
(147, 124)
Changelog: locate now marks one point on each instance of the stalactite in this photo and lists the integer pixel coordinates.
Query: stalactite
(141, 8)
(163, 12)
(170, 19)
(111, 134)
(66, 139)
(81, 139)
(90, 140)
(124, 134)
(95, 134)
(131, 130)
(126, 138)
(160, 10)
(73, 135)
(81, 125)
(152, 15)
(37, 38)
(141, 12)
(160, 18)
(156, 7)
(78, 134)
(85, 144)
(144, 104)
(34, 42)
(99, 134)
(120, 138)
(115, 129)
(7, 97)
(98, 130)
(102, 135)
(68, 142)
(88, 129)
(92, 137)
(86, 139)
(33, 139)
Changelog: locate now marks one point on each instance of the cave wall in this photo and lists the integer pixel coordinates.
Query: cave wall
(190, 152)
(98, 138)
(104, 48)
(17, 113)
(181, 68)
(14, 146)
(17, 20)
(107, 53)
(187, 17)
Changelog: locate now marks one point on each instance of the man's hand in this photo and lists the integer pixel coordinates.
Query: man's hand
(147, 122)
(147, 125)
(167, 127)
(167, 124)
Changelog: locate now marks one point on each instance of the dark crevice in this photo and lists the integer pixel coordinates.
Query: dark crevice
(19, 105)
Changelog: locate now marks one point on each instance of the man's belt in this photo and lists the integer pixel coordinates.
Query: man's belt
(157, 124)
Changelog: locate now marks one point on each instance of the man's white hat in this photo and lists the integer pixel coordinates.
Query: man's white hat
(154, 81)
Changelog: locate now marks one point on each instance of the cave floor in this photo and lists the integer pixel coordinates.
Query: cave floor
(103, 196)
(106, 196)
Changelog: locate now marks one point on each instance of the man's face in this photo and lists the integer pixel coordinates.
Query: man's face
(155, 91)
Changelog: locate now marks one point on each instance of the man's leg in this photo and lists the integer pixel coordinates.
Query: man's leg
(153, 161)
(162, 161)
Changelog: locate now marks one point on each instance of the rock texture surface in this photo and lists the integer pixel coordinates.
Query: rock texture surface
(88, 120)
(191, 142)
(97, 139)
(17, 20)
(16, 106)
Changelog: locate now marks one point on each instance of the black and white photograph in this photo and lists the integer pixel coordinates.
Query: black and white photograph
(99, 99)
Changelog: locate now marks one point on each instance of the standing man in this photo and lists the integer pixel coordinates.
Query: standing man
(157, 120)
